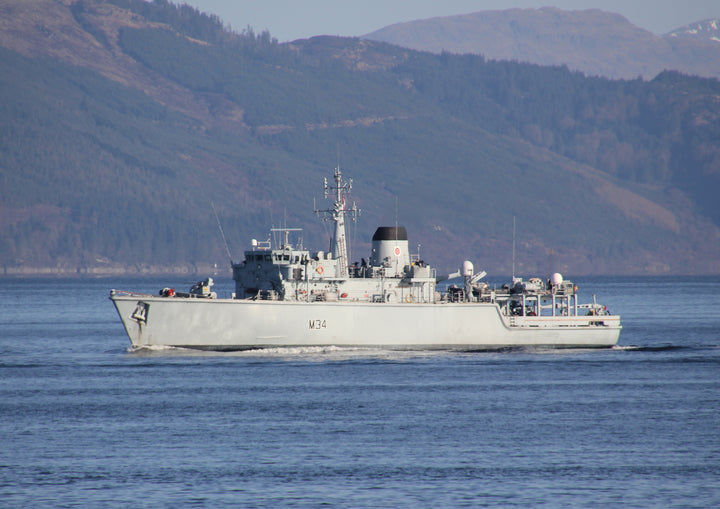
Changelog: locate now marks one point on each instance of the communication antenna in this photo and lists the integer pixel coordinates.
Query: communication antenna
(396, 217)
(222, 233)
(550, 263)
(513, 252)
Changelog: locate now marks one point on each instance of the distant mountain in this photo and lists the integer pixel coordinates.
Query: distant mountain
(595, 42)
(124, 124)
(708, 29)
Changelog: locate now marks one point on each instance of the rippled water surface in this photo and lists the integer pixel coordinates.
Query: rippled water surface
(86, 422)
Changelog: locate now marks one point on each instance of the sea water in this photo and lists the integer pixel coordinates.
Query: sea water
(87, 422)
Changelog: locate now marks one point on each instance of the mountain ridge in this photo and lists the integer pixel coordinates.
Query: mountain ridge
(593, 41)
(704, 29)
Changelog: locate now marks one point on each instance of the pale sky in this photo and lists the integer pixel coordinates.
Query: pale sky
(288, 20)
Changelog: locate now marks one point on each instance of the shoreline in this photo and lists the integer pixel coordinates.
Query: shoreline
(138, 270)
(205, 270)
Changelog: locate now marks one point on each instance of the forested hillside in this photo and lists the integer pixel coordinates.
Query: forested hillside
(123, 123)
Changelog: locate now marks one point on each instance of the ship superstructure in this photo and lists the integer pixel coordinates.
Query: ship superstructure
(291, 273)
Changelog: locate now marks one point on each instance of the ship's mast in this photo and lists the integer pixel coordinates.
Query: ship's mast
(337, 214)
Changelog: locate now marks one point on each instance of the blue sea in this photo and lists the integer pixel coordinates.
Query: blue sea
(86, 422)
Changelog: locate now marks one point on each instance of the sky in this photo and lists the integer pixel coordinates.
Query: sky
(288, 20)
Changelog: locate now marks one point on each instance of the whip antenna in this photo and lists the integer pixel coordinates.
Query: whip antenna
(513, 252)
(222, 233)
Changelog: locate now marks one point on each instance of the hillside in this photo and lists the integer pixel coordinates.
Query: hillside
(596, 42)
(124, 123)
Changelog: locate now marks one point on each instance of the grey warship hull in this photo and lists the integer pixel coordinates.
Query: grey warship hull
(229, 324)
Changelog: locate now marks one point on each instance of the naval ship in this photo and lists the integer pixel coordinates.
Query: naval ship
(287, 296)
